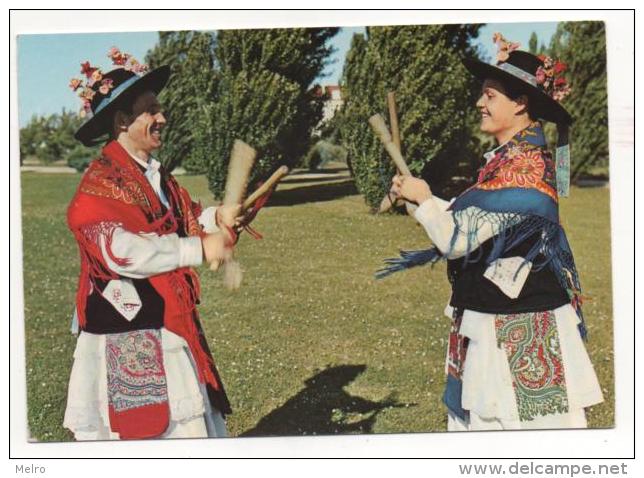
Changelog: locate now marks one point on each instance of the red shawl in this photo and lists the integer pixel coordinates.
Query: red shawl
(114, 193)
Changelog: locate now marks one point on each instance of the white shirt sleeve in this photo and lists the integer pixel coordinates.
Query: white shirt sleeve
(440, 226)
(149, 254)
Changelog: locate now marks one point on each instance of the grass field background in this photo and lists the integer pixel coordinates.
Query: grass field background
(311, 343)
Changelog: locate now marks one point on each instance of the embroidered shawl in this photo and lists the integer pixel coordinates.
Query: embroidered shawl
(114, 193)
(516, 188)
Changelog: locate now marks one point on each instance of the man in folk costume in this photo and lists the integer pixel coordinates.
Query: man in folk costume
(142, 366)
(516, 357)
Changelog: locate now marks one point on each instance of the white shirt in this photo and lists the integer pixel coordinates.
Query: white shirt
(154, 177)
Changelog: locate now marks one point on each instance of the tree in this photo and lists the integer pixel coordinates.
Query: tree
(265, 96)
(191, 86)
(49, 138)
(533, 43)
(80, 157)
(435, 96)
(582, 45)
(31, 136)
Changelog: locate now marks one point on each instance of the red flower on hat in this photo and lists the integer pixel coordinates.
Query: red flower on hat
(117, 57)
(87, 69)
(560, 67)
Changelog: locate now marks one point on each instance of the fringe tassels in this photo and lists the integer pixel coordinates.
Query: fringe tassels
(409, 259)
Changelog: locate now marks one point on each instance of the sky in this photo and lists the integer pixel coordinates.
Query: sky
(46, 63)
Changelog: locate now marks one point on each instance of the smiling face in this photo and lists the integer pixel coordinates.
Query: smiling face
(144, 132)
(500, 115)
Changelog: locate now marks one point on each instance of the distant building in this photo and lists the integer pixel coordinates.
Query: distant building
(332, 95)
(333, 103)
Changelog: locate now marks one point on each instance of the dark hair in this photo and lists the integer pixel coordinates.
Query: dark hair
(125, 111)
(512, 92)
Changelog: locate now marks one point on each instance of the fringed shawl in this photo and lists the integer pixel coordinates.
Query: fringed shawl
(114, 193)
(516, 194)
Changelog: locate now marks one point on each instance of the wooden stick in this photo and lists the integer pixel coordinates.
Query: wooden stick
(242, 158)
(393, 119)
(386, 204)
(380, 129)
(275, 178)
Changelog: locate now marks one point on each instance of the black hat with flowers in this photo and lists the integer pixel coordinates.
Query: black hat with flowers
(539, 77)
(103, 94)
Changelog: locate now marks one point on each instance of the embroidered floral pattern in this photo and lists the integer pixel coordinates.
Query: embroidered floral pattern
(520, 164)
(525, 169)
(135, 372)
(105, 179)
(531, 343)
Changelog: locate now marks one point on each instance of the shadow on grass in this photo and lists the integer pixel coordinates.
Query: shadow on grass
(323, 407)
(314, 193)
(332, 170)
(314, 179)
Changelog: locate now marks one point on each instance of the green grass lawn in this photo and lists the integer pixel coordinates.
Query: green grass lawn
(311, 343)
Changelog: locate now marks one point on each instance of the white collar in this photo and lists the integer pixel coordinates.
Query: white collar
(152, 164)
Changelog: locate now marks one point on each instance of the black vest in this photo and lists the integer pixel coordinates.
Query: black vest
(103, 318)
(472, 290)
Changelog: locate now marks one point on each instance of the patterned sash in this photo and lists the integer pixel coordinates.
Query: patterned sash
(531, 342)
(136, 384)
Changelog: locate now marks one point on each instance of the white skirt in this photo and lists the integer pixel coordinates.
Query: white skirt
(488, 391)
(86, 415)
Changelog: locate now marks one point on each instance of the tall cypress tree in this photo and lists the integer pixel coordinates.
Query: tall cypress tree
(192, 83)
(533, 43)
(265, 96)
(435, 97)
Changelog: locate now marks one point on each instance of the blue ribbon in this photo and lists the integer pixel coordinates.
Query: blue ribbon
(115, 92)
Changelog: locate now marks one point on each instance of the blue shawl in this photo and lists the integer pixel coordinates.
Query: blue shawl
(516, 188)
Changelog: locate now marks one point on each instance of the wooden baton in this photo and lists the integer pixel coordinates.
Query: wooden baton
(275, 178)
(393, 119)
(380, 129)
(386, 204)
(242, 159)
